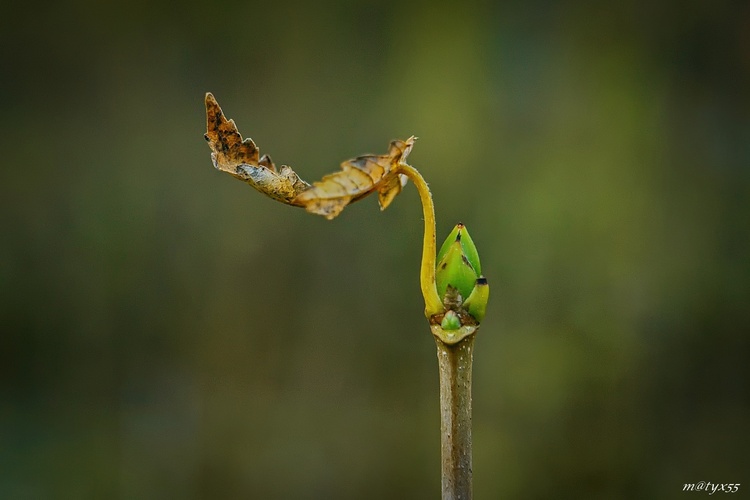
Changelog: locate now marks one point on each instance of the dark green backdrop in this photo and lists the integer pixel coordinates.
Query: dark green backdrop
(167, 332)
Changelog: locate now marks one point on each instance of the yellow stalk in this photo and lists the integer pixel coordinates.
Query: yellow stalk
(432, 303)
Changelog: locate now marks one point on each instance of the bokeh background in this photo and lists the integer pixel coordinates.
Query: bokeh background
(168, 332)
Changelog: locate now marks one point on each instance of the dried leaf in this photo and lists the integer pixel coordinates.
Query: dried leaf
(358, 178)
(239, 158)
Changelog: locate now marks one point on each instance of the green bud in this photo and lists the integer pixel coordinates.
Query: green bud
(457, 263)
(450, 321)
(454, 269)
(458, 268)
(461, 234)
(476, 303)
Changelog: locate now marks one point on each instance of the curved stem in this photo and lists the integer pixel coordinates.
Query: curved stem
(432, 303)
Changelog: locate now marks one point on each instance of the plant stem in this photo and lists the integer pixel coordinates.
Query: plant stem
(433, 304)
(454, 362)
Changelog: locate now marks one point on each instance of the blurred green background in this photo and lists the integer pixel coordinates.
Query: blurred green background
(168, 332)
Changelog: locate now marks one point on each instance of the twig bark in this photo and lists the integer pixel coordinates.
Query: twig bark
(454, 362)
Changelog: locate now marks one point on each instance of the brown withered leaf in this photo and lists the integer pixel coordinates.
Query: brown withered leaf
(240, 158)
(358, 178)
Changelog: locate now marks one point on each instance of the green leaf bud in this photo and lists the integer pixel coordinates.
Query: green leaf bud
(458, 263)
(461, 234)
(476, 303)
(455, 270)
(450, 321)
